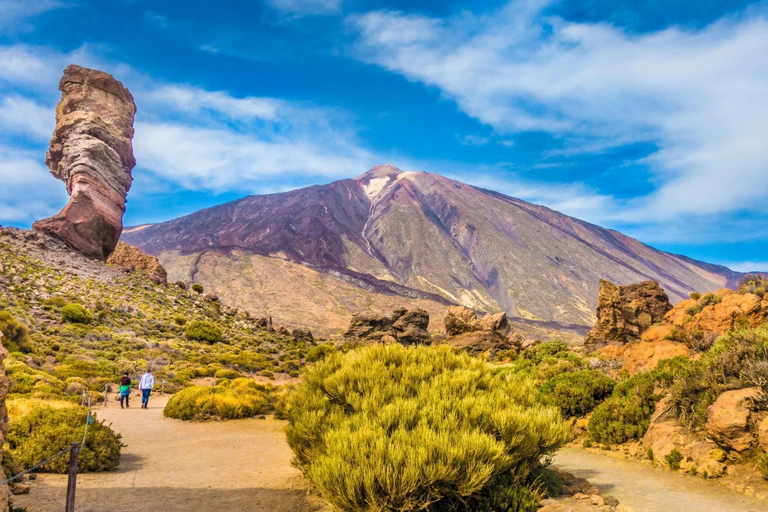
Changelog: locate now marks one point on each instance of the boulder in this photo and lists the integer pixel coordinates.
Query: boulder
(91, 152)
(477, 336)
(728, 419)
(762, 433)
(132, 259)
(624, 313)
(302, 334)
(408, 327)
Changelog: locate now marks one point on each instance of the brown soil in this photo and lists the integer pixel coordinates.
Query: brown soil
(170, 465)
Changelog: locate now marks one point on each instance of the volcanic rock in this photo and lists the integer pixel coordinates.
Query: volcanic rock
(477, 336)
(302, 334)
(624, 313)
(728, 419)
(132, 259)
(91, 152)
(408, 327)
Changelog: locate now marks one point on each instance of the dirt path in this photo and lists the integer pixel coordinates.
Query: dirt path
(648, 490)
(170, 466)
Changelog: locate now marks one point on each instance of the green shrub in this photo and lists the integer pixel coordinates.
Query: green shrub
(551, 484)
(241, 398)
(318, 352)
(577, 393)
(695, 295)
(439, 427)
(197, 288)
(710, 298)
(761, 464)
(179, 320)
(674, 458)
(202, 330)
(45, 430)
(76, 314)
(267, 373)
(14, 337)
(627, 413)
(753, 283)
(227, 374)
(736, 360)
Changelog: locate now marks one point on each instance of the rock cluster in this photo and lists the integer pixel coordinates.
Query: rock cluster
(479, 335)
(131, 259)
(624, 313)
(91, 152)
(712, 314)
(408, 327)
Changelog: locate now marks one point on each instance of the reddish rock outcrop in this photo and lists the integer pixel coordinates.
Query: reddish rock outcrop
(408, 327)
(728, 419)
(479, 335)
(91, 152)
(711, 315)
(132, 259)
(644, 356)
(624, 313)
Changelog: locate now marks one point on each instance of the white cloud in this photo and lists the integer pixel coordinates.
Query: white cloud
(29, 191)
(14, 14)
(26, 116)
(701, 96)
(749, 266)
(307, 7)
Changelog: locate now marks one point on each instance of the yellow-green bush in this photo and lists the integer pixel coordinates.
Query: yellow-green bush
(385, 427)
(14, 333)
(239, 398)
(76, 314)
(202, 330)
(45, 430)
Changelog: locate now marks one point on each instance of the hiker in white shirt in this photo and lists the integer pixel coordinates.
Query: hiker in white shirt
(145, 385)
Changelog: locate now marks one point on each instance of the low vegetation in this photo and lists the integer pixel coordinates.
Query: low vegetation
(235, 399)
(67, 333)
(442, 429)
(40, 430)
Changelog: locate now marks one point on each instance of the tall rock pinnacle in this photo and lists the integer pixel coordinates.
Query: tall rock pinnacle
(91, 152)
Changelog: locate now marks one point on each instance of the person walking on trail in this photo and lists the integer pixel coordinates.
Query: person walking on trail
(145, 385)
(125, 390)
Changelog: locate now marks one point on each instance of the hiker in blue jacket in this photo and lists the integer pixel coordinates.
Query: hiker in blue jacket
(146, 384)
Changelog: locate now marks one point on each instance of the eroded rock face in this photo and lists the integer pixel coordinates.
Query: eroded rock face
(728, 419)
(408, 327)
(624, 313)
(3, 418)
(132, 259)
(479, 335)
(91, 152)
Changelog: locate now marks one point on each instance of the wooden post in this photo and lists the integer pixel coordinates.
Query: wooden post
(106, 394)
(162, 389)
(72, 481)
(83, 402)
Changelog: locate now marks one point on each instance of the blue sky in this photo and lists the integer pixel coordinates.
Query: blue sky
(647, 117)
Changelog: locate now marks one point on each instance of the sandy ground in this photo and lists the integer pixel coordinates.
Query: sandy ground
(649, 490)
(169, 465)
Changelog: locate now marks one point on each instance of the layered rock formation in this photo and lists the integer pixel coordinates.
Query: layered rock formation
(624, 313)
(131, 259)
(91, 152)
(479, 335)
(408, 327)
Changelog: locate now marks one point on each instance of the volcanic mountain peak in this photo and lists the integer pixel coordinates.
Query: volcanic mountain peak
(415, 235)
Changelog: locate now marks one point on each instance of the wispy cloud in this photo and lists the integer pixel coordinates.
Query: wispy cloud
(15, 14)
(701, 96)
(307, 7)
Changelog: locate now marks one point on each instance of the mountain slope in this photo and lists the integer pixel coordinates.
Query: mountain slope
(426, 237)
